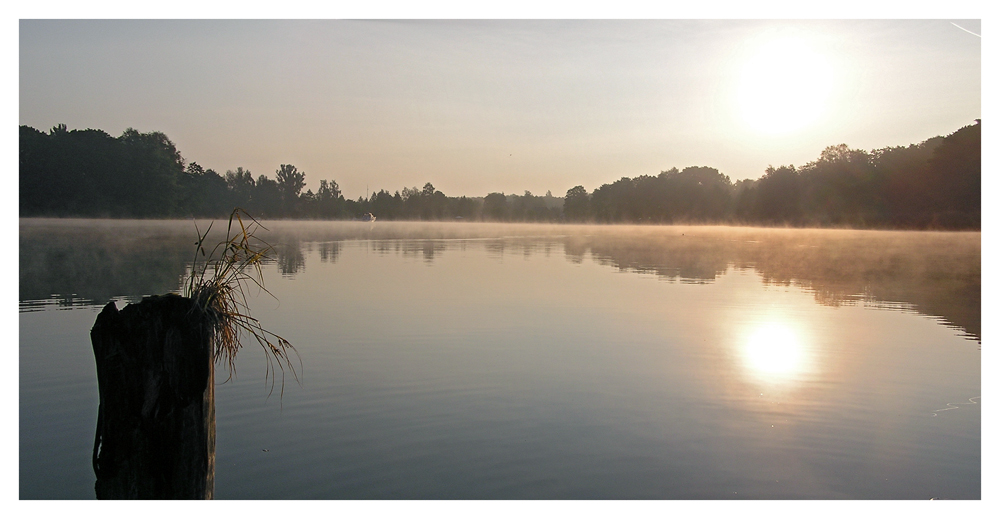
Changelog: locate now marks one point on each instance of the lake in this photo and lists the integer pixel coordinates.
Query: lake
(529, 361)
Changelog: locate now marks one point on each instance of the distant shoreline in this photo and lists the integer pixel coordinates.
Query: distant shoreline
(489, 222)
(936, 184)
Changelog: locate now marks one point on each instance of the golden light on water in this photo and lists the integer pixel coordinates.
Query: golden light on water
(774, 351)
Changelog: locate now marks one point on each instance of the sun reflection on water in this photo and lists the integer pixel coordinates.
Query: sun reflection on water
(775, 351)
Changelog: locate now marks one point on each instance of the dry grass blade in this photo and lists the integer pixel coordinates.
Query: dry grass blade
(220, 286)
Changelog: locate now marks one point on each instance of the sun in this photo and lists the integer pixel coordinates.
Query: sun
(784, 86)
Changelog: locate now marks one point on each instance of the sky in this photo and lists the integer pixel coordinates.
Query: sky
(480, 106)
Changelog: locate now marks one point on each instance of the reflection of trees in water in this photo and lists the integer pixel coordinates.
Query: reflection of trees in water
(289, 256)
(432, 250)
(574, 248)
(428, 249)
(524, 247)
(529, 248)
(684, 259)
(386, 247)
(328, 251)
(936, 274)
(91, 264)
(495, 248)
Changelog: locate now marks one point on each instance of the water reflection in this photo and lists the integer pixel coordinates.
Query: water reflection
(702, 367)
(328, 251)
(774, 352)
(936, 274)
(89, 262)
(289, 256)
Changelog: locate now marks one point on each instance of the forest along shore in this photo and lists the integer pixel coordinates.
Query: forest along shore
(935, 184)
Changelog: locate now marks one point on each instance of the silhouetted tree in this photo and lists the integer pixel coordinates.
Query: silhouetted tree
(463, 207)
(241, 187)
(576, 205)
(495, 207)
(614, 202)
(66, 173)
(266, 200)
(290, 183)
(384, 206)
(956, 175)
(745, 200)
(778, 196)
(841, 188)
(329, 201)
(204, 192)
(696, 194)
(152, 167)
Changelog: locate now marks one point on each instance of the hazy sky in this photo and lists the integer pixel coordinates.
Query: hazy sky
(482, 106)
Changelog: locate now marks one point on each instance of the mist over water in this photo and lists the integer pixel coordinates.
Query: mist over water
(935, 273)
(546, 361)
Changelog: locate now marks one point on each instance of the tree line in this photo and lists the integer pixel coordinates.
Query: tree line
(139, 175)
(143, 175)
(934, 184)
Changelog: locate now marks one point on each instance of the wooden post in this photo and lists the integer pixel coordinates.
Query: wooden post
(156, 420)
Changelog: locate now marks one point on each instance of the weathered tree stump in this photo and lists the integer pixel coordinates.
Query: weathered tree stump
(156, 420)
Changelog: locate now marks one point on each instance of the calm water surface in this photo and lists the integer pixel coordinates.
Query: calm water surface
(534, 361)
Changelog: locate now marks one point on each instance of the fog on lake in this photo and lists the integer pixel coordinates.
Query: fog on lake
(492, 361)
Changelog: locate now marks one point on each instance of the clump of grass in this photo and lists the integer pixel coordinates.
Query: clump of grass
(219, 289)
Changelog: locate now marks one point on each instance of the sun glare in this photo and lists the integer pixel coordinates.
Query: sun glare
(784, 86)
(774, 351)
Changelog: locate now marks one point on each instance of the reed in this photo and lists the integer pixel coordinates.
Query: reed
(219, 289)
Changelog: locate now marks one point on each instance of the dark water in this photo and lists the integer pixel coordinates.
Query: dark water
(545, 362)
